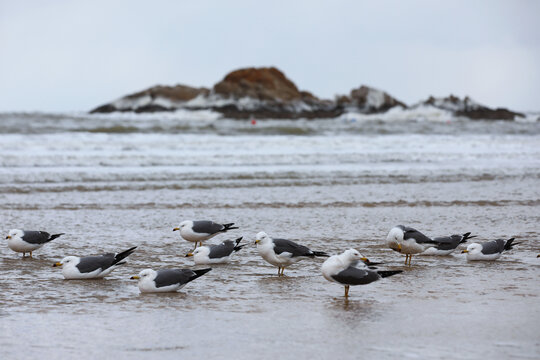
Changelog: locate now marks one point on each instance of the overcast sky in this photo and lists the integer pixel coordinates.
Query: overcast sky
(75, 55)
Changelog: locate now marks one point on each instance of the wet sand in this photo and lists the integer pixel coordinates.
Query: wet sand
(439, 308)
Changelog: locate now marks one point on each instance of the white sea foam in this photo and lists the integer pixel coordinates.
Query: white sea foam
(132, 103)
(244, 103)
(375, 98)
(397, 113)
(530, 117)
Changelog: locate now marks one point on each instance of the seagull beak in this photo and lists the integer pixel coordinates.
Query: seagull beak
(57, 264)
(365, 259)
(175, 229)
(189, 254)
(135, 277)
(538, 255)
(257, 241)
(399, 247)
(464, 251)
(8, 237)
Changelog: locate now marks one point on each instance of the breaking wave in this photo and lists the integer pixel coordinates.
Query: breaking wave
(422, 120)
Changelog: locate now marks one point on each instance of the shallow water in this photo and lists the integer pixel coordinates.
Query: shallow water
(114, 182)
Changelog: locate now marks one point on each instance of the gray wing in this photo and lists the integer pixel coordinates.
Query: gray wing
(493, 247)
(222, 250)
(168, 277)
(90, 263)
(447, 242)
(282, 245)
(355, 276)
(36, 237)
(410, 233)
(207, 227)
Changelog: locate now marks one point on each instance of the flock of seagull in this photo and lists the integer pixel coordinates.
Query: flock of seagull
(348, 268)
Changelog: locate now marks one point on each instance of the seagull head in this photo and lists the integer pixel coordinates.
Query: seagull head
(15, 234)
(68, 260)
(473, 248)
(145, 274)
(201, 250)
(182, 225)
(395, 238)
(396, 233)
(262, 238)
(352, 255)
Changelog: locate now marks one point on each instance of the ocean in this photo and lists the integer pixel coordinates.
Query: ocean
(114, 181)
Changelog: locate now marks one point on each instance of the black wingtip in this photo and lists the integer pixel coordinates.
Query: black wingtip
(128, 251)
(509, 245)
(466, 237)
(54, 236)
(122, 255)
(320, 253)
(387, 273)
(237, 241)
(239, 247)
(372, 263)
(201, 272)
(229, 227)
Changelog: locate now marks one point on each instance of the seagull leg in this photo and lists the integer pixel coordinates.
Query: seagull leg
(200, 243)
(410, 258)
(346, 291)
(406, 258)
(23, 254)
(30, 254)
(279, 271)
(282, 270)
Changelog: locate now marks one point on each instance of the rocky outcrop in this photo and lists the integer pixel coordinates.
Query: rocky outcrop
(267, 93)
(265, 84)
(469, 108)
(157, 98)
(368, 100)
(244, 93)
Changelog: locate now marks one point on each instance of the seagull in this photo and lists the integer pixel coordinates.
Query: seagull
(447, 244)
(281, 252)
(490, 250)
(216, 254)
(201, 230)
(343, 269)
(410, 241)
(166, 280)
(26, 241)
(92, 267)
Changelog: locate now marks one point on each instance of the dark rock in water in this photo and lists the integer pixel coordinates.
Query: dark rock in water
(268, 93)
(369, 100)
(252, 92)
(266, 84)
(469, 108)
(257, 92)
(175, 93)
(107, 108)
(157, 98)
